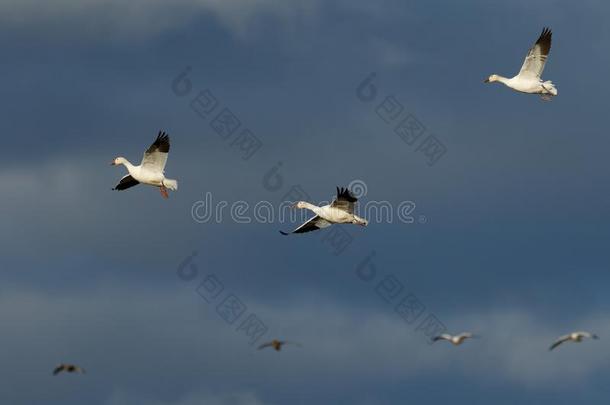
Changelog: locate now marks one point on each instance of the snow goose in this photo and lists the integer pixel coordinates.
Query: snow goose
(68, 368)
(456, 340)
(340, 211)
(277, 344)
(151, 169)
(573, 337)
(529, 80)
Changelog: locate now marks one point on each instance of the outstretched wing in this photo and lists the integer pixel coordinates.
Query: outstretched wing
(534, 62)
(126, 182)
(58, 369)
(589, 335)
(444, 336)
(155, 157)
(264, 345)
(312, 224)
(559, 341)
(345, 200)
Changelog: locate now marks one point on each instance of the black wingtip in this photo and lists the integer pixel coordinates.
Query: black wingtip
(284, 233)
(163, 137)
(344, 192)
(546, 33)
(161, 143)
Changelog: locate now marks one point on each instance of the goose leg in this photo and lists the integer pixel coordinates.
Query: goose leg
(163, 191)
(545, 96)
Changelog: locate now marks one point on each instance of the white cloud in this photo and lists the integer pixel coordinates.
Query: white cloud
(149, 17)
(175, 335)
(123, 398)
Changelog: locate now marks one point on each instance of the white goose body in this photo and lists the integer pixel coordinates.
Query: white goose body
(523, 84)
(141, 174)
(329, 213)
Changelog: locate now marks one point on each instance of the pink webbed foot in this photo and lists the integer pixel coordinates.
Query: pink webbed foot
(163, 191)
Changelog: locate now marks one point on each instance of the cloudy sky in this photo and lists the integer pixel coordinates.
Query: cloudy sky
(509, 227)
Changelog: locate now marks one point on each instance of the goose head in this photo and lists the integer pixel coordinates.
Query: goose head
(117, 161)
(491, 79)
(300, 204)
(359, 221)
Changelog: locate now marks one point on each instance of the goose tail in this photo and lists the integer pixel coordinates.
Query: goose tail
(171, 184)
(550, 87)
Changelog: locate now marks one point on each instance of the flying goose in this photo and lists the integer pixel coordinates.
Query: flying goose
(456, 340)
(151, 169)
(529, 80)
(68, 368)
(340, 211)
(573, 337)
(277, 344)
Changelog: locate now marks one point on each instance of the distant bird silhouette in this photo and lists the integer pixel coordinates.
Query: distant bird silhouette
(277, 344)
(340, 211)
(68, 368)
(456, 340)
(576, 337)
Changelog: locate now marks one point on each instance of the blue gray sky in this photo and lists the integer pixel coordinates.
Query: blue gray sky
(509, 238)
